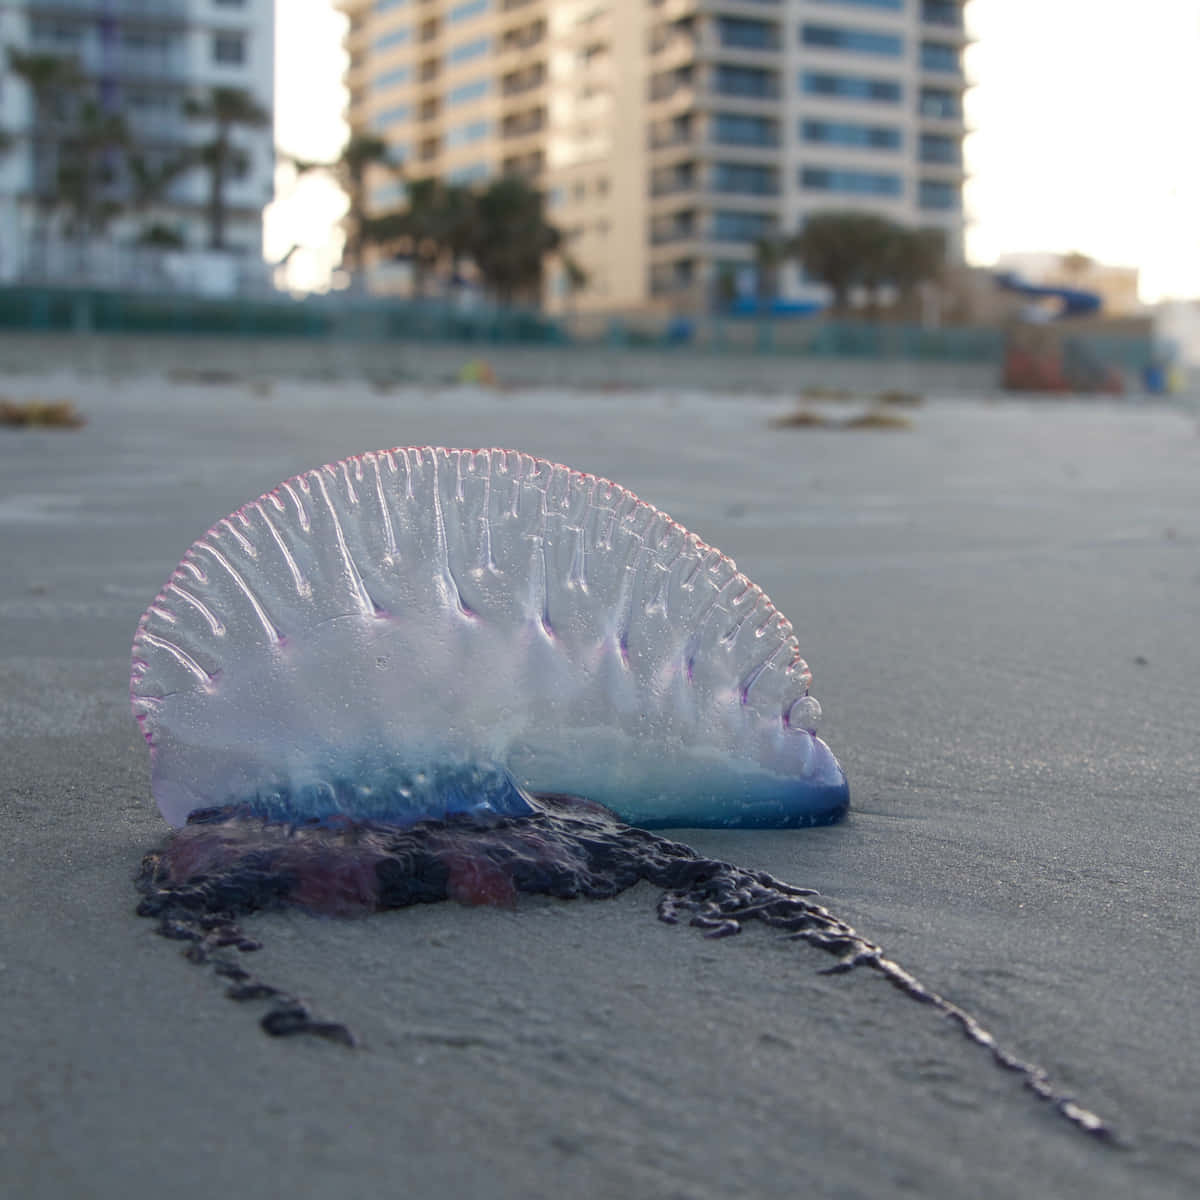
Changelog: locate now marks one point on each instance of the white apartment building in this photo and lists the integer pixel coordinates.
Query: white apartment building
(141, 59)
(669, 136)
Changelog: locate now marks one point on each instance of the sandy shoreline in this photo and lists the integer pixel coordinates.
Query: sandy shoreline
(1000, 607)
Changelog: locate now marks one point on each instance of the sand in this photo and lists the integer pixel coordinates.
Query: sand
(1001, 608)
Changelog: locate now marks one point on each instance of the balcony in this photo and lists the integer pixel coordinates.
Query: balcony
(680, 231)
(667, 139)
(524, 124)
(517, 41)
(938, 105)
(528, 166)
(940, 150)
(940, 58)
(518, 83)
(678, 182)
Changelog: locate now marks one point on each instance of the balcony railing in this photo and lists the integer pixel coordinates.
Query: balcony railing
(523, 126)
(676, 137)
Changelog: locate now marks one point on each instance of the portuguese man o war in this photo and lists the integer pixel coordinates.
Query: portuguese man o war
(426, 674)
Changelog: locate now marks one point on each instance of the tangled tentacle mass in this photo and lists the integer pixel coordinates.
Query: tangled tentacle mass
(226, 863)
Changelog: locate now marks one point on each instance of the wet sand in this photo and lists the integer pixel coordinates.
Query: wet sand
(1000, 607)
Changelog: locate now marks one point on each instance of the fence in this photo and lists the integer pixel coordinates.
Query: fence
(346, 318)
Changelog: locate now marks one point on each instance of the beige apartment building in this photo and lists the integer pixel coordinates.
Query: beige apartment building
(669, 136)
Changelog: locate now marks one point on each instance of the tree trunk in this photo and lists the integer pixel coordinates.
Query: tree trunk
(216, 194)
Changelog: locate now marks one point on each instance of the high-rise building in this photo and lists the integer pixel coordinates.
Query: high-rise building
(669, 136)
(142, 60)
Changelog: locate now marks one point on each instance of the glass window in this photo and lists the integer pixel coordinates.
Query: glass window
(745, 179)
(391, 116)
(741, 226)
(393, 37)
(738, 129)
(889, 5)
(465, 51)
(942, 12)
(746, 81)
(846, 133)
(467, 9)
(855, 183)
(471, 173)
(747, 34)
(938, 148)
(858, 41)
(850, 87)
(466, 92)
(938, 56)
(939, 103)
(464, 135)
(229, 48)
(392, 78)
(937, 194)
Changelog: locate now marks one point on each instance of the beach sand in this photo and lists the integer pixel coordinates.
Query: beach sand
(1001, 608)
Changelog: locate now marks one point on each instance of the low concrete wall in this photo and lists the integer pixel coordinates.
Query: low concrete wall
(123, 355)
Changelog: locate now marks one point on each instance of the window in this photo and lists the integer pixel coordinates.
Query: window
(853, 183)
(737, 129)
(229, 48)
(746, 81)
(466, 92)
(464, 135)
(53, 31)
(745, 179)
(938, 148)
(850, 87)
(391, 116)
(465, 51)
(940, 103)
(938, 56)
(748, 35)
(937, 194)
(393, 37)
(857, 41)
(846, 133)
(471, 173)
(392, 78)
(889, 5)
(942, 12)
(741, 226)
(466, 10)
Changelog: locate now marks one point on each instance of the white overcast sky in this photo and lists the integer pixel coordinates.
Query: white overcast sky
(1085, 135)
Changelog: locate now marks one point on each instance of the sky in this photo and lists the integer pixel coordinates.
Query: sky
(1083, 117)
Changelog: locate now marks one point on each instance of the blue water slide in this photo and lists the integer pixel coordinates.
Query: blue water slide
(1075, 303)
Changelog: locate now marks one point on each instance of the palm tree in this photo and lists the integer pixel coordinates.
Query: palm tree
(349, 171)
(149, 182)
(511, 238)
(89, 168)
(54, 83)
(226, 108)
